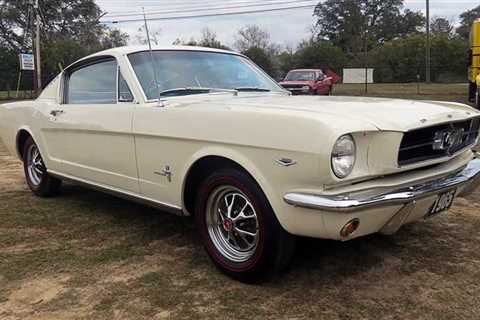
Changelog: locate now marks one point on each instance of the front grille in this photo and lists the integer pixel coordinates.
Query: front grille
(293, 86)
(420, 145)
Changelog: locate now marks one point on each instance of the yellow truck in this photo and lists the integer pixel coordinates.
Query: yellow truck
(474, 65)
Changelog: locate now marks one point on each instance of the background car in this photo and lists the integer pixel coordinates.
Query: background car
(308, 81)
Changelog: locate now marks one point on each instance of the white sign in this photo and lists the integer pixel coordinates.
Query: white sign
(26, 61)
(354, 75)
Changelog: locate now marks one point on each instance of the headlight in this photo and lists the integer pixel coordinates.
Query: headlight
(343, 156)
(306, 88)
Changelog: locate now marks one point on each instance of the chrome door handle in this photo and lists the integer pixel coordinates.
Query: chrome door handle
(56, 112)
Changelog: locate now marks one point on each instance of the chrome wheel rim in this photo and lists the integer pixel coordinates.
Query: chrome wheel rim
(232, 223)
(35, 165)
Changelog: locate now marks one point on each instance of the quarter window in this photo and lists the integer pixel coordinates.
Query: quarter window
(124, 93)
(93, 84)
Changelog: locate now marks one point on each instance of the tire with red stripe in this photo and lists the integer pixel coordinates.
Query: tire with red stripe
(40, 182)
(477, 99)
(239, 229)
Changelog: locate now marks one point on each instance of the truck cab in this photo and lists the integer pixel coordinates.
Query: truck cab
(474, 65)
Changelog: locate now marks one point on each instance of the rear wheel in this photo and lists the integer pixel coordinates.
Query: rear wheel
(36, 175)
(240, 231)
(477, 99)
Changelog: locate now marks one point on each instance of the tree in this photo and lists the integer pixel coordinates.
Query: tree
(61, 19)
(466, 21)
(401, 59)
(70, 29)
(347, 23)
(320, 54)
(141, 36)
(252, 36)
(410, 23)
(113, 38)
(441, 27)
(209, 39)
(287, 60)
(262, 58)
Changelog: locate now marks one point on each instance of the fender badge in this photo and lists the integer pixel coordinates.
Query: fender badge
(167, 172)
(286, 162)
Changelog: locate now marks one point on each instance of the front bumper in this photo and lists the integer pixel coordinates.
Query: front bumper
(298, 91)
(465, 180)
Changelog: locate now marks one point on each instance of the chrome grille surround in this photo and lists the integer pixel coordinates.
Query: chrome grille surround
(438, 141)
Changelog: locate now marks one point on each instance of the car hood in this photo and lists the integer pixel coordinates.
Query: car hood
(384, 114)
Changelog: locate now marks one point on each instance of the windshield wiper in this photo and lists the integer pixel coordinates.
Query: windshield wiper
(184, 91)
(252, 89)
(195, 90)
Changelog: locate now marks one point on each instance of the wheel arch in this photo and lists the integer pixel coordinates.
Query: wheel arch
(22, 135)
(206, 162)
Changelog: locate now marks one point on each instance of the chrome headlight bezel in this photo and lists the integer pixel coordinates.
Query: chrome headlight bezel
(343, 156)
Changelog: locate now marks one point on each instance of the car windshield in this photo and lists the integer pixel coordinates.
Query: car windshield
(195, 72)
(300, 76)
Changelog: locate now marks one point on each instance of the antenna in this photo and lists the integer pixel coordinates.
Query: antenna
(154, 69)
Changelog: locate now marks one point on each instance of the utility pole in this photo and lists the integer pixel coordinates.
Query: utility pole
(427, 60)
(366, 60)
(38, 70)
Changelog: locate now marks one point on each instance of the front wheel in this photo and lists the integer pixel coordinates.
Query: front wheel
(239, 229)
(36, 175)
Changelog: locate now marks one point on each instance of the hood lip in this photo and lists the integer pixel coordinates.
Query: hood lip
(471, 117)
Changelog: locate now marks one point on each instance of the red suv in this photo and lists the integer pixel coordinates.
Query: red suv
(308, 81)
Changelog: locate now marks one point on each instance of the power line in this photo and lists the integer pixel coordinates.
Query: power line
(189, 5)
(197, 9)
(212, 14)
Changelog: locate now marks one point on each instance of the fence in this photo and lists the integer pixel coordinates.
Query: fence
(8, 86)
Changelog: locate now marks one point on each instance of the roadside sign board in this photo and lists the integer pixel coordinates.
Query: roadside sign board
(360, 75)
(27, 61)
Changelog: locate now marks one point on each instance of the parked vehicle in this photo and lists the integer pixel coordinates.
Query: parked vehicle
(474, 65)
(307, 81)
(206, 133)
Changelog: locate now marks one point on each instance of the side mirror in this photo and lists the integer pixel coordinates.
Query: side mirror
(321, 78)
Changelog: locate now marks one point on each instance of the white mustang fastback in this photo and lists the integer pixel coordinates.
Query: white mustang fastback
(207, 133)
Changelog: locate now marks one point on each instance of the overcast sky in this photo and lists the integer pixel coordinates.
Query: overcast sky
(285, 27)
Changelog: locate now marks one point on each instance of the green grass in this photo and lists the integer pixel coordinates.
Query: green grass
(12, 95)
(421, 91)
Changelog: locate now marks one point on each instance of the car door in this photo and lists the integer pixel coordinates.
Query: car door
(90, 132)
(323, 83)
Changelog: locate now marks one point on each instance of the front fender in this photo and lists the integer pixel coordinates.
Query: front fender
(273, 178)
(233, 155)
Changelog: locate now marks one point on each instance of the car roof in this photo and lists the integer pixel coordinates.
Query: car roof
(306, 70)
(122, 51)
(119, 51)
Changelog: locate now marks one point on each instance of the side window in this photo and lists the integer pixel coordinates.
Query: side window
(124, 93)
(93, 84)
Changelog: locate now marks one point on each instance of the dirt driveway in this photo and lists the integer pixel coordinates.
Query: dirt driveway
(86, 255)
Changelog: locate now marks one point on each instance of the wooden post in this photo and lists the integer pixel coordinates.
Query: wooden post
(18, 82)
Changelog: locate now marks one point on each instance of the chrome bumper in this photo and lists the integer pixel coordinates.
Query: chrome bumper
(353, 201)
